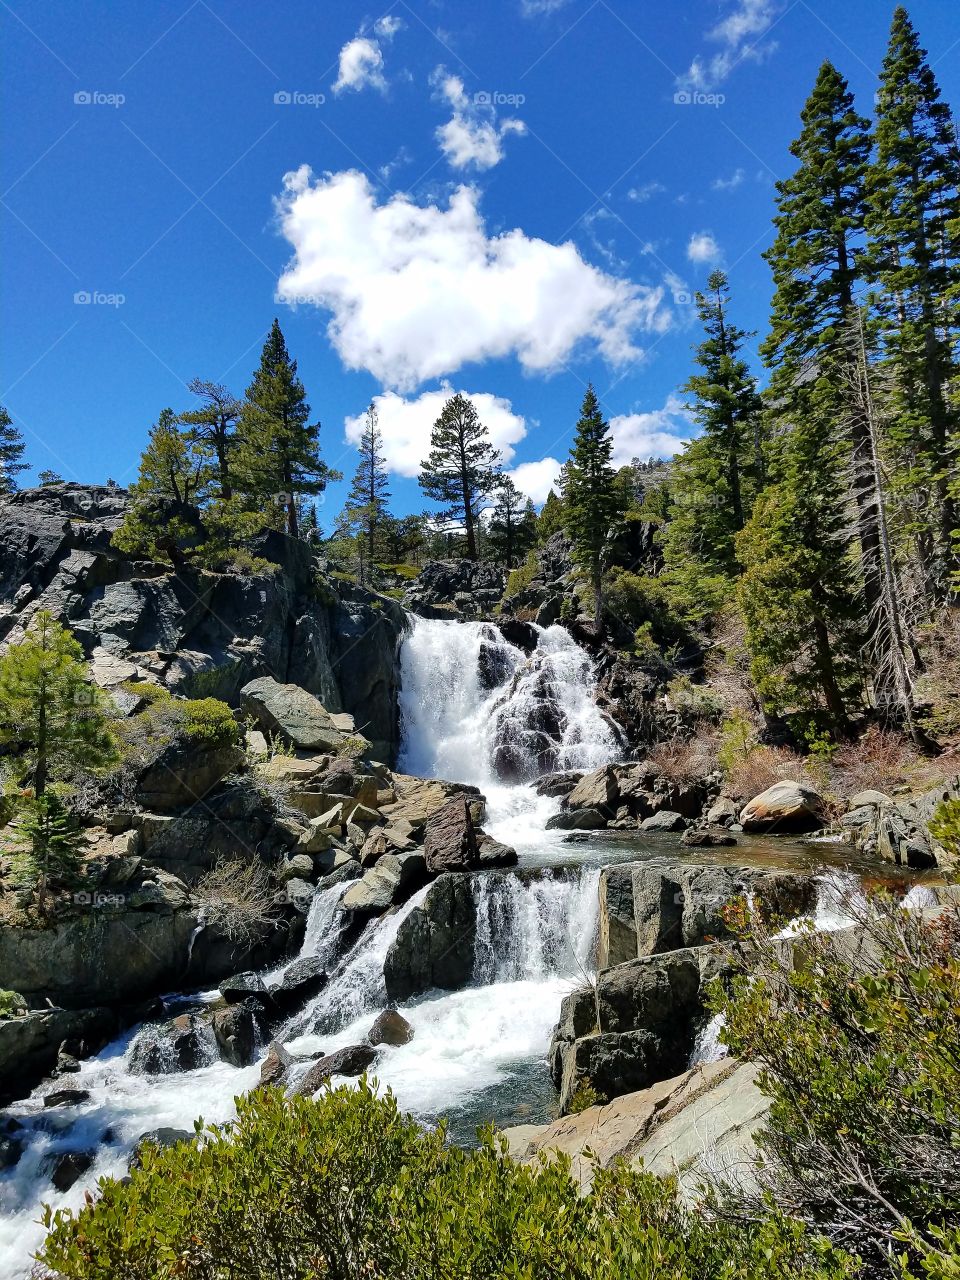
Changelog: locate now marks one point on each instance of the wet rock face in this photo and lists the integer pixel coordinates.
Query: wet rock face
(434, 946)
(450, 842)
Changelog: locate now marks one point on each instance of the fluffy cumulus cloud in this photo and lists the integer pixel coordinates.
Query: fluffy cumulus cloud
(740, 36)
(658, 433)
(703, 248)
(536, 479)
(361, 59)
(406, 424)
(418, 291)
(473, 136)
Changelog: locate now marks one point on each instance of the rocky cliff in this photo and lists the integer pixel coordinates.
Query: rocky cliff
(198, 632)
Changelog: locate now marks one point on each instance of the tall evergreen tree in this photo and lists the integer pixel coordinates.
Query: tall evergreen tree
(512, 528)
(366, 505)
(715, 480)
(163, 521)
(213, 428)
(52, 718)
(817, 267)
(11, 453)
(462, 469)
(278, 459)
(590, 494)
(913, 218)
(551, 517)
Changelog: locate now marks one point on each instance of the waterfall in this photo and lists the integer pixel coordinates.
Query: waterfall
(475, 708)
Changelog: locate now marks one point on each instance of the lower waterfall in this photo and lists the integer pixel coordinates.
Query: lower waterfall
(475, 708)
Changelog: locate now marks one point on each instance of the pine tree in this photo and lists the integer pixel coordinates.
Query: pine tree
(164, 521)
(913, 218)
(551, 517)
(462, 468)
(213, 429)
(715, 480)
(56, 843)
(52, 718)
(11, 453)
(590, 495)
(277, 459)
(817, 267)
(512, 528)
(366, 505)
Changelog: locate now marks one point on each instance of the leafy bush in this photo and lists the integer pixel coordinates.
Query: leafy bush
(584, 1097)
(859, 1049)
(945, 826)
(346, 1186)
(11, 1004)
(210, 721)
(695, 700)
(635, 599)
(521, 577)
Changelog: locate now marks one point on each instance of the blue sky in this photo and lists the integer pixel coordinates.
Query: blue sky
(506, 199)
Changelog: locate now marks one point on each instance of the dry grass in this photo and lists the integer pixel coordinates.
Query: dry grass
(761, 767)
(882, 761)
(685, 761)
(237, 899)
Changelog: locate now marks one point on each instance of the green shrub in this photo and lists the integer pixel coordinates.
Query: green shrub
(945, 826)
(521, 577)
(346, 1186)
(11, 1004)
(584, 1097)
(636, 598)
(210, 721)
(696, 700)
(859, 1050)
(407, 571)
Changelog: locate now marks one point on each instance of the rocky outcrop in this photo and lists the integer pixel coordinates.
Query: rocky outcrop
(460, 589)
(295, 716)
(631, 796)
(785, 806)
(195, 630)
(699, 1124)
(637, 1025)
(351, 1061)
(898, 830)
(647, 909)
(30, 1045)
(450, 842)
(434, 945)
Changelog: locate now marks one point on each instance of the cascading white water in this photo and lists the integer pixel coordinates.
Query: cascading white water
(475, 1053)
(539, 716)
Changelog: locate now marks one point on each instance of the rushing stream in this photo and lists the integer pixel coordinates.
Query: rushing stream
(474, 709)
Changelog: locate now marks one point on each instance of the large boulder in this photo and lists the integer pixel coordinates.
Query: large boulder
(450, 842)
(390, 1027)
(181, 1045)
(784, 807)
(647, 908)
(238, 1029)
(434, 946)
(184, 773)
(30, 1044)
(351, 1061)
(291, 713)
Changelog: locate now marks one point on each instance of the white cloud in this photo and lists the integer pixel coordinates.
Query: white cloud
(739, 34)
(729, 184)
(641, 194)
(361, 59)
(406, 425)
(361, 66)
(387, 26)
(472, 137)
(419, 291)
(536, 479)
(654, 434)
(703, 247)
(533, 8)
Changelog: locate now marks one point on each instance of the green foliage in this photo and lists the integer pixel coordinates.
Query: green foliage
(737, 740)
(365, 510)
(945, 826)
(212, 428)
(551, 518)
(277, 460)
(346, 1186)
(210, 721)
(408, 571)
(52, 717)
(11, 1004)
(520, 578)
(462, 469)
(638, 600)
(512, 530)
(714, 481)
(858, 1050)
(55, 843)
(695, 700)
(11, 453)
(591, 498)
(584, 1097)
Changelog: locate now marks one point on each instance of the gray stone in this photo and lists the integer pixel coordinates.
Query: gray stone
(390, 1028)
(664, 820)
(65, 1097)
(237, 988)
(275, 1066)
(434, 945)
(450, 843)
(351, 1061)
(288, 710)
(577, 820)
(785, 806)
(237, 1031)
(303, 980)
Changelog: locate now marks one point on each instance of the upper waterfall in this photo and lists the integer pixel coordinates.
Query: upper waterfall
(476, 708)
